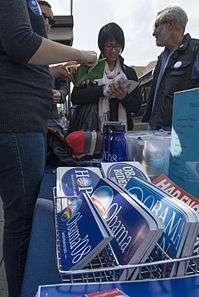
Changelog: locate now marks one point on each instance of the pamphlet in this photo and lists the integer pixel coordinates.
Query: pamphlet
(168, 186)
(123, 82)
(165, 184)
(131, 241)
(180, 221)
(80, 234)
(72, 181)
(121, 172)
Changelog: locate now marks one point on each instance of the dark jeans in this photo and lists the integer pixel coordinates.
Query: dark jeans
(22, 162)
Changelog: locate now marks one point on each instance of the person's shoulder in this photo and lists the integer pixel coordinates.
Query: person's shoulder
(129, 69)
(188, 41)
(194, 43)
(194, 39)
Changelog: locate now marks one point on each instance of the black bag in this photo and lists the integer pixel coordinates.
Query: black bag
(58, 152)
(84, 117)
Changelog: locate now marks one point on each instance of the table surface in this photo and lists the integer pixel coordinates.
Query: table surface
(181, 287)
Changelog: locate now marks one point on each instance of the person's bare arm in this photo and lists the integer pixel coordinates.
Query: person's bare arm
(22, 45)
(51, 52)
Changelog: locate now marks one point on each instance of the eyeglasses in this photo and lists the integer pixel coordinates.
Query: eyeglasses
(50, 19)
(111, 47)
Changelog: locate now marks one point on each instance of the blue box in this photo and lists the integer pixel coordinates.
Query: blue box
(184, 155)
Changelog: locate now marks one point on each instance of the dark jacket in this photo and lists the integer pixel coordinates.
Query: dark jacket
(92, 93)
(62, 84)
(174, 79)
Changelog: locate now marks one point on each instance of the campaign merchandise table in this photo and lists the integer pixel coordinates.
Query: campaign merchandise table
(41, 266)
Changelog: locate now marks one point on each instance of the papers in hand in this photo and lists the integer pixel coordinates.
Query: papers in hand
(123, 82)
(129, 84)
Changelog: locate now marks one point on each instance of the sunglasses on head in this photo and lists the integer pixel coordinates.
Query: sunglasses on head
(50, 19)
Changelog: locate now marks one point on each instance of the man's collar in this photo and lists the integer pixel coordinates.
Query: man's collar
(183, 45)
(185, 42)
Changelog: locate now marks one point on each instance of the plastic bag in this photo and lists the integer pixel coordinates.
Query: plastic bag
(85, 117)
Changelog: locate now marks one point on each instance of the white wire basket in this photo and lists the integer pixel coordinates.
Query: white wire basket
(105, 268)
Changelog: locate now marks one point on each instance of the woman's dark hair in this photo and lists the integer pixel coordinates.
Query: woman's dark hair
(110, 32)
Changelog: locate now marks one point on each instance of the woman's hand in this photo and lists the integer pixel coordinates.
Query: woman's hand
(118, 91)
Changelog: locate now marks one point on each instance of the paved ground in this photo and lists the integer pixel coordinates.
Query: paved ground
(3, 285)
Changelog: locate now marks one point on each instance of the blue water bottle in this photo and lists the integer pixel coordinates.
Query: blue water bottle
(117, 143)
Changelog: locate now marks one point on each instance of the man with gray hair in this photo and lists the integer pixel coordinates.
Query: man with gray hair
(177, 68)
